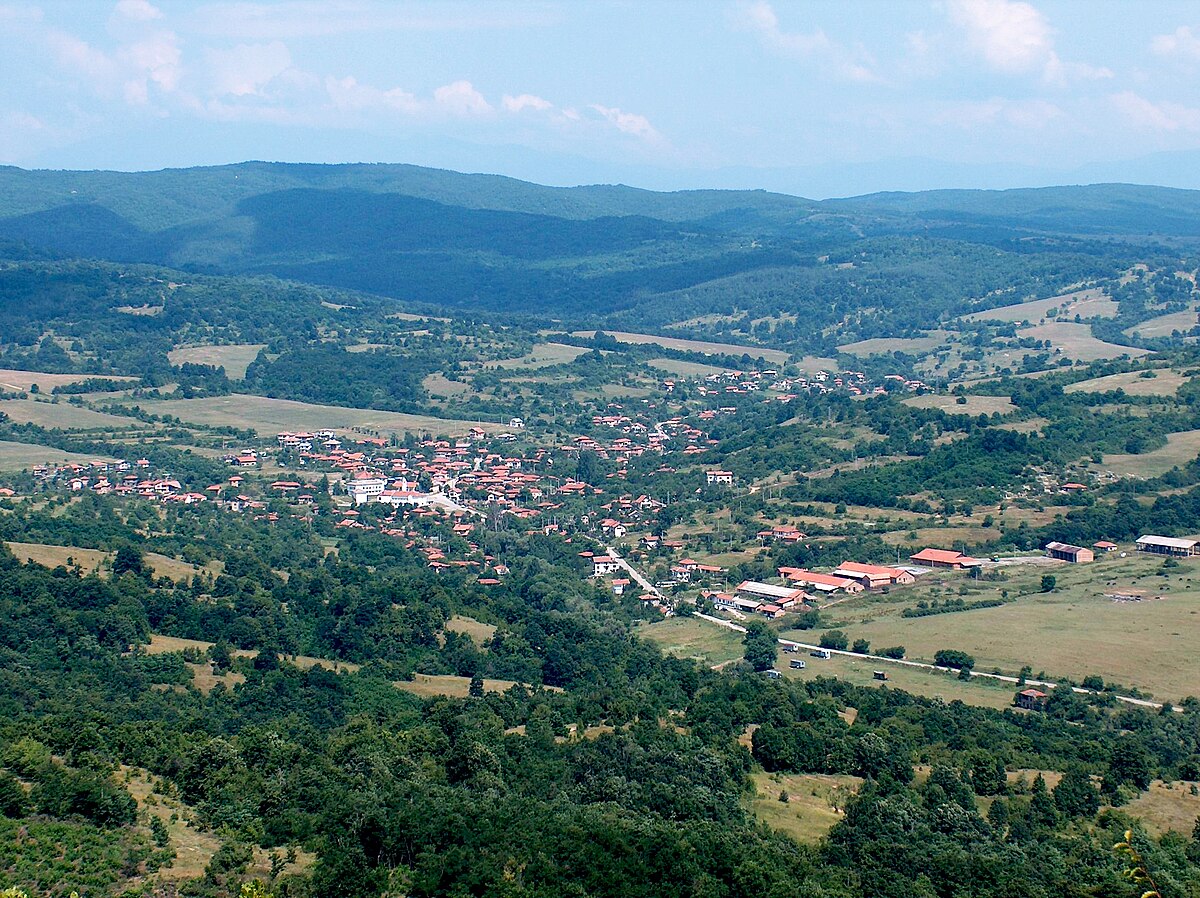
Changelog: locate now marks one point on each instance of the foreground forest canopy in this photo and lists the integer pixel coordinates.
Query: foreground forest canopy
(310, 476)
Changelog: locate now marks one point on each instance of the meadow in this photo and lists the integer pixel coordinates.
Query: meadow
(1165, 382)
(974, 405)
(1076, 630)
(1091, 303)
(11, 379)
(16, 456)
(775, 356)
(268, 416)
(1181, 448)
(63, 415)
(235, 358)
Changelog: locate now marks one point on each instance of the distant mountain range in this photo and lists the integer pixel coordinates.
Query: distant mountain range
(443, 238)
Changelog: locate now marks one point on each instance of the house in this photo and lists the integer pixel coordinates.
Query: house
(874, 576)
(1067, 552)
(618, 587)
(820, 582)
(1168, 545)
(719, 477)
(366, 487)
(1031, 699)
(944, 558)
(604, 564)
(727, 602)
(781, 533)
(1104, 545)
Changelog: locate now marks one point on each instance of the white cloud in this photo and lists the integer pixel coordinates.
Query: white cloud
(72, 53)
(523, 102)
(1182, 42)
(320, 18)
(154, 60)
(628, 122)
(817, 46)
(461, 98)
(246, 69)
(137, 10)
(347, 94)
(1014, 38)
(1156, 116)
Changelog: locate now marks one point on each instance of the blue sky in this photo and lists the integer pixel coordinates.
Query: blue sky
(815, 98)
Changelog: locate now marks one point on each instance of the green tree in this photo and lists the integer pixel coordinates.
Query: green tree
(861, 647)
(761, 646)
(1049, 582)
(834, 639)
(1075, 795)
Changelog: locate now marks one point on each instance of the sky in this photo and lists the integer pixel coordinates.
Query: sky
(812, 98)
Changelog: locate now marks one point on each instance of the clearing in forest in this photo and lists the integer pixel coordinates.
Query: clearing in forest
(235, 358)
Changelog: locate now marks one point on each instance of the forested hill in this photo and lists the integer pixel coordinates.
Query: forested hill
(602, 255)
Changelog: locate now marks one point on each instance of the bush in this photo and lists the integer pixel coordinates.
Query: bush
(953, 658)
(834, 639)
(892, 651)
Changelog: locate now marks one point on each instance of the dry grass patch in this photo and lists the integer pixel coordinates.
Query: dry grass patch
(441, 386)
(887, 345)
(1181, 448)
(1165, 382)
(98, 561)
(1165, 325)
(62, 415)
(267, 415)
(21, 456)
(1166, 807)
(543, 355)
(974, 405)
(775, 356)
(480, 632)
(430, 685)
(685, 369)
(815, 802)
(235, 358)
(1077, 342)
(691, 637)
(12, 379)
(1090, 303)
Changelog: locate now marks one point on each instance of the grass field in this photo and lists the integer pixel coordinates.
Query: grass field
(1164, 383)
(442, 386)
(543, 355)
(1076, 342)
(235, 358)
(62, 415)
(1181, 448)
(11, 379)
(1164, 807)
(480, 632)
(975, 405)
(20, 456)
(887, 345)
(775, 356)
(690, 637)
(1165, 325)
(809, 812)
(267, 416)
(931, 684)
(1074, 631)
(1090, 303)
(685, 369)
(429, 685)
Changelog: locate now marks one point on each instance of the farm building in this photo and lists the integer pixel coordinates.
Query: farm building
(783, 596)
(1104, 545)
(1168, 545)
(873, 576)
(1031, 699)
(1067, 552)
(819, 582)
(944, 558)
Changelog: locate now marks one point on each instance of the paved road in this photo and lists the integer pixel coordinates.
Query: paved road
(1140, 702)
(633, 572)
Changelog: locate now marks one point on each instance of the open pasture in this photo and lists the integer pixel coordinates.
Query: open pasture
(235, 358)
(431, 685)
(1165, 382)
(1076, 630)
(815, 802)
(62, 415)
(1165, 325)
(888, 345)
(97, 560)
(1090, 303)
(1181, 448)
(21, 456)
(12, 379)
(685, 369)
(543, 355)
(775, 356)
(267, 416)
(1077, 342)
(975, 405)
